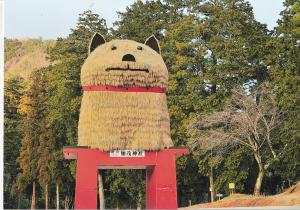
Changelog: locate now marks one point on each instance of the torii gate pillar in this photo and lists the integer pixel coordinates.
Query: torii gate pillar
(161, 188)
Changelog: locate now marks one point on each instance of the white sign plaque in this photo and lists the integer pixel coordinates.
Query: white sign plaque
(126, 153)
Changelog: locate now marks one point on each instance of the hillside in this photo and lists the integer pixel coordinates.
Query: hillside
(291, 197)
(21, 57)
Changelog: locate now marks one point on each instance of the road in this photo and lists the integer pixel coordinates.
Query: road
(257, 208)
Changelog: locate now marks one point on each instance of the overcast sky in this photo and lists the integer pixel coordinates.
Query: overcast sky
(50, 19)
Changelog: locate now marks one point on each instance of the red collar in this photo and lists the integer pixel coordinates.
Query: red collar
(123, 89)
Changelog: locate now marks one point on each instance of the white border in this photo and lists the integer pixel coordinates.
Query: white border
(1, 97)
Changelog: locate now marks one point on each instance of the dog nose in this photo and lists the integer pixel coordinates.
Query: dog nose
(128, 57)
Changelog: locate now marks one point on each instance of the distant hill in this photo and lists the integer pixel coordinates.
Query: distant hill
(21, 57)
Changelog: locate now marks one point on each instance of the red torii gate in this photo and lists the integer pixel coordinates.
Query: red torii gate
(161, 188)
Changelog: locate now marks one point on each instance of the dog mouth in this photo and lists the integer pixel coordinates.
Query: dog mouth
(127, 69)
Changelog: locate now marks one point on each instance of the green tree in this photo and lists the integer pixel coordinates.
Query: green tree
(296, 18)
(237, 168)
(217, 47)
(46, 162)
(13, 134)
(33, 109)
(209, 47)
(289, 24)
(284, 67)
(143, 19)
(125, 188)
(64, 89)
(142, 14)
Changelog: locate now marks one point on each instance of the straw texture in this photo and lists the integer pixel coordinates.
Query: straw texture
(124, 120)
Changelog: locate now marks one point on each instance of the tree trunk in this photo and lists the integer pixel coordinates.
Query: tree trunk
(211, 184)
(139, 203)
(33, 198)
(57, 196)
(101, 191)
(260, 176)
(67, 201)
(138, 206)
(19, 200)
(46, 197)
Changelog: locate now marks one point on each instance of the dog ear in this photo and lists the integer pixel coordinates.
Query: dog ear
(96, 41)
(153, 43)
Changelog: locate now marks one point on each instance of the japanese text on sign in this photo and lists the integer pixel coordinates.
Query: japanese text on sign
(127, 153)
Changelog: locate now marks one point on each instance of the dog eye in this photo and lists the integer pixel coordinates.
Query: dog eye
(113, 47)
(139, 47)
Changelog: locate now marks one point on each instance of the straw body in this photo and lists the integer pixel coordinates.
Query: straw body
(118, 120)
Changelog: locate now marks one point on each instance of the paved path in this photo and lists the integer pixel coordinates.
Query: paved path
(257, 208)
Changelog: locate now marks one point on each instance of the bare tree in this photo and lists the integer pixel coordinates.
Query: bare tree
(247, 120)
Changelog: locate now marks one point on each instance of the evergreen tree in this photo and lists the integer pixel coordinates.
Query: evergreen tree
(209, 47)
(158, 17)
(63, 76)
(289, 24)
(33, 109)
(296, 18)
(64, 89)
(143, 19)
(125, 188)
(47, 162)
(13, 133)
(284, 65)
(218, 47)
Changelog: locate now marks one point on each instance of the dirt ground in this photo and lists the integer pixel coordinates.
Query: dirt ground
(291, 197)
